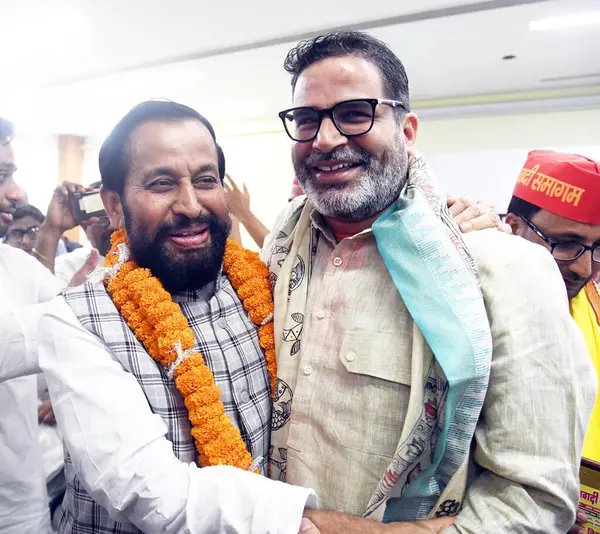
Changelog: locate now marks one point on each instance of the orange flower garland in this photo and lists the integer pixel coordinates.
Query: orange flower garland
(159, 325)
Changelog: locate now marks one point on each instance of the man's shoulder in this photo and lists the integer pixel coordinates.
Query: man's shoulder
(515, 265)
(24, 270)
(17, 258)
(292, 208)
(86, 297)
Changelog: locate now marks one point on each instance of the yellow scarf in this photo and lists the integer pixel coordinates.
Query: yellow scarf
(585, 309)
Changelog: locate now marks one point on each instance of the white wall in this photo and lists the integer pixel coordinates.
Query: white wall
(484, 155)
(37, 166)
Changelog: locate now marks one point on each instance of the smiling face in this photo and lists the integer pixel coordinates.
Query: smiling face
(351, 178)
(173, 205)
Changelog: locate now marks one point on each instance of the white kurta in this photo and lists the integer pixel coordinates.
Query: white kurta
(24, 283)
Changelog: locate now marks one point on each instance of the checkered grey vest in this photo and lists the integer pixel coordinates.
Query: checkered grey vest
(96, 312)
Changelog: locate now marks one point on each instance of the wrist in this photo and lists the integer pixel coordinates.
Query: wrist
(50, 231)
(245, 217)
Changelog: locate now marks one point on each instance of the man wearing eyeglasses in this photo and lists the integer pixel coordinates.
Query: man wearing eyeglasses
(24, 228)
(422, 373)
(556, 203)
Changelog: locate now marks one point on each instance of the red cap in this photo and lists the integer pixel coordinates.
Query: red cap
(565, 184)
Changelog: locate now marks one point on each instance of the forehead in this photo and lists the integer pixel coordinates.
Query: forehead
(329, 81)
(171, 143)
(556, 226)
(24, 223)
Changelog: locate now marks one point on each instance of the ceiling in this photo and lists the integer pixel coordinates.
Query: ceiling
(75, 66)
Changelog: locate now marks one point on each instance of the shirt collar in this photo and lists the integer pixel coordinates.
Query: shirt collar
(203, 294)
(319, 223)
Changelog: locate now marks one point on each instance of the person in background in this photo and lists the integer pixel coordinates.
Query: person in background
(59, 219)
(422, 372)
(22, 233)
(24, 285)
(556, 204)
(23, 230)
(238, 201)
(12, 195)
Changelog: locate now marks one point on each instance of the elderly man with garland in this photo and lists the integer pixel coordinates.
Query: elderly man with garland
(155, 368)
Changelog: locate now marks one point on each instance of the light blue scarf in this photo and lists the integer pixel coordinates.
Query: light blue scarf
(436, 277)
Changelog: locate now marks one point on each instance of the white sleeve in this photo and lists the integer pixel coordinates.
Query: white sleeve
(18, 348)
(119, 449)
(19, 322)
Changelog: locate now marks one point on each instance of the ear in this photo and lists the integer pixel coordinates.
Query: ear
(113, 207)
(410, 127)
(516, 223)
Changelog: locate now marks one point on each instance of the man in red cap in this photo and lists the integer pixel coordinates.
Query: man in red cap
(556, 203)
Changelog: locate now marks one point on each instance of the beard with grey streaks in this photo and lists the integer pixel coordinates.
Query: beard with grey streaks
(376, 189)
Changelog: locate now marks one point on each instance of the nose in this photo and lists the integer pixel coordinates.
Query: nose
(27, 244)
(328, 137)
(14, 193)
(582, 266)
(187, 204)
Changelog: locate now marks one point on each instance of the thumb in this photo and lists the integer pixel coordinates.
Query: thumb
(438, 525)
(308, 527)
(90, 264)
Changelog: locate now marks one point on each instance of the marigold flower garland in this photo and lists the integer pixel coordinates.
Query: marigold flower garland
(159, 325)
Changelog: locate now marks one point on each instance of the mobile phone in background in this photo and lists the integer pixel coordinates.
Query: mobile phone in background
(86, 205)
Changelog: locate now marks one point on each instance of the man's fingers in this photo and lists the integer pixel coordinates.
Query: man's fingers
(460, 204)
(308, 527)
(231, 182)
(49, 418)
(469, 214)
(506, 228)
(438, 525)
(489, 219)
(42, 411)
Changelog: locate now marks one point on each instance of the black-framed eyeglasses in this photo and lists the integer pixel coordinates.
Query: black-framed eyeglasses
(17, 235)
(564, 250)
(350, 117)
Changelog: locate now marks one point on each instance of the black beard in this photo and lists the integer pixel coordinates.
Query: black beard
(194, 271)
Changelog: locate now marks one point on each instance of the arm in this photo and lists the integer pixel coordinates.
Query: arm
(341, 523)
(235, 233)
(58, 220)
(239, 204)
(257, 230)
(119, 449)
(540, 395)
(19, 320)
